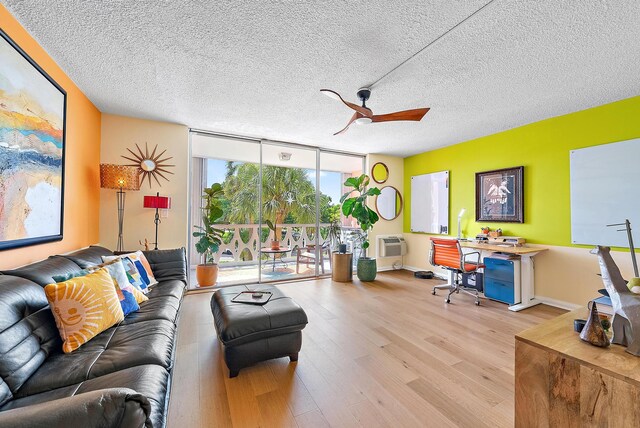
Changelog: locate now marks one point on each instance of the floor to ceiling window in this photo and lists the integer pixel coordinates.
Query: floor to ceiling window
(272, 192)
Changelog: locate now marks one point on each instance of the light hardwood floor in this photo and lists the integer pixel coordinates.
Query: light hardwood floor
(380, 354)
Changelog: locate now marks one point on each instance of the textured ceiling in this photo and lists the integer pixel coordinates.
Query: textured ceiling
(255, 67)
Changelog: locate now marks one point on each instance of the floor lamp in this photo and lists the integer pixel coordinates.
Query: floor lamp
(158, 202)
(122, 178)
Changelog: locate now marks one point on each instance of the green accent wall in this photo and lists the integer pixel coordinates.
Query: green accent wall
(543, 149)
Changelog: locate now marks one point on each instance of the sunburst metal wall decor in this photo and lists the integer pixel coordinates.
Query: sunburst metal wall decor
(150, 165)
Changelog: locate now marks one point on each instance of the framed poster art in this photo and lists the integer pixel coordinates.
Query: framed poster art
(499, 195)
(32, 150)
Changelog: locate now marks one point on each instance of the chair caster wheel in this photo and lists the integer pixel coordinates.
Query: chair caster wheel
(477, 303)
(433, 292)
(447, 301)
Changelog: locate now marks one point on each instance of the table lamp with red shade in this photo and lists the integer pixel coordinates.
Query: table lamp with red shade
(159, 203)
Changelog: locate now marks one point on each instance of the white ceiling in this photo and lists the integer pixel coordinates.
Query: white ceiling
(255, 67)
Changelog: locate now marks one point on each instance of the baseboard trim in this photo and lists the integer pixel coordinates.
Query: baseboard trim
(558, 303)
(388, 268)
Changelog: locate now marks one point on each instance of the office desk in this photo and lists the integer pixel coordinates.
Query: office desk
(527, 279)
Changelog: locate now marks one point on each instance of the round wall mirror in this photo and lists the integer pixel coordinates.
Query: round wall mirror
(379, 172)
(148, 165)
(389, 203)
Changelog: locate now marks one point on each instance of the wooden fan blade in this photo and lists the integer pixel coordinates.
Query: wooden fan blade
(353, 118)
(415, 115)
(336, 96)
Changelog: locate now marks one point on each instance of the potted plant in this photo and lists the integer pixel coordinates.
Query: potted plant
(209, 238)
(356, 206)
(275, 242)
(335, 237)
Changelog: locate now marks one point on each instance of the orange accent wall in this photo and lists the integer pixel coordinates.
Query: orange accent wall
(82, 164)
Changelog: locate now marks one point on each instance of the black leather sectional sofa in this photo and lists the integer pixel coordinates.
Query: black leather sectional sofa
(120, 378)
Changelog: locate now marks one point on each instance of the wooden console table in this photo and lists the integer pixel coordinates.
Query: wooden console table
(561, 381)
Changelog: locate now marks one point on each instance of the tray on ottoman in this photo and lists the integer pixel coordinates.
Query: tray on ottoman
(254, 333)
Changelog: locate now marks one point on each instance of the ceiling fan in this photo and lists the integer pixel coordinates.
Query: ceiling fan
(364, 115)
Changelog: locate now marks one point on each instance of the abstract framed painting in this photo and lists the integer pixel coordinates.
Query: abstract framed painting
(32, 150)
(499, 195)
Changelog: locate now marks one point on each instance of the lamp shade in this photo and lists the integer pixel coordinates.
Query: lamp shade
(119, 177)
(161, 202)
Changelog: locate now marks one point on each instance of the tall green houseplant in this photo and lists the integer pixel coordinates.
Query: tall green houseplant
(354, 203)
(209, 237)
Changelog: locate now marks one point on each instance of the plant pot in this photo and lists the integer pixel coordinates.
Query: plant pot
(367, 269)
(207, 275)
(342, 248)
(275, 245)
(341, 267)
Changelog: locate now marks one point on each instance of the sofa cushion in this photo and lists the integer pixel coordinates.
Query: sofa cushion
(115, 349)
(171, 287)
(28, 332)
(159, 308)
(149, 380)
(168, 264)
(88, 256)
(238, 323)
(149, 342)
(42, 272)
(60, 370)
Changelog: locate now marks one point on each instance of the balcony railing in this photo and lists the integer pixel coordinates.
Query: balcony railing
(242, 242)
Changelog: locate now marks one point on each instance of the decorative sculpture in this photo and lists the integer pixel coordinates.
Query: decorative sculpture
(593, 332)
(626, 305)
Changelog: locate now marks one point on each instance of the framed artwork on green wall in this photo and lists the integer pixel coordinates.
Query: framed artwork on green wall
(32, 146)
(499, 195)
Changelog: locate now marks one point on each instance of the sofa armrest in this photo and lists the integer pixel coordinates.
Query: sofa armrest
(169, 264)
(113, 407)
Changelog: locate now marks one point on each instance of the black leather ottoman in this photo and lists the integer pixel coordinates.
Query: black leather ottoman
(254, 333)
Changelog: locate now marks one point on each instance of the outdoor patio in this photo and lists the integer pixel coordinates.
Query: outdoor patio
(244, 258)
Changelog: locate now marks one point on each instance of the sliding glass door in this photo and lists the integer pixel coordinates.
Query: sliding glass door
(289, 211)
(335, 169)
(279, 203)
(235, 164)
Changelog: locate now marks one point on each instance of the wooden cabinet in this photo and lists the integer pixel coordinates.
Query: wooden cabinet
(561, 381)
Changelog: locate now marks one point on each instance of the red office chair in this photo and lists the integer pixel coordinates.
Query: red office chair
(447, 254)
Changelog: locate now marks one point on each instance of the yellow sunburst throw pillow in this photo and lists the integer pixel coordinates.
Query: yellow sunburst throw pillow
(83, 307)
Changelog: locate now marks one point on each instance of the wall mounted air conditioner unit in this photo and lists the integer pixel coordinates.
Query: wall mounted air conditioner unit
(391, 246)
